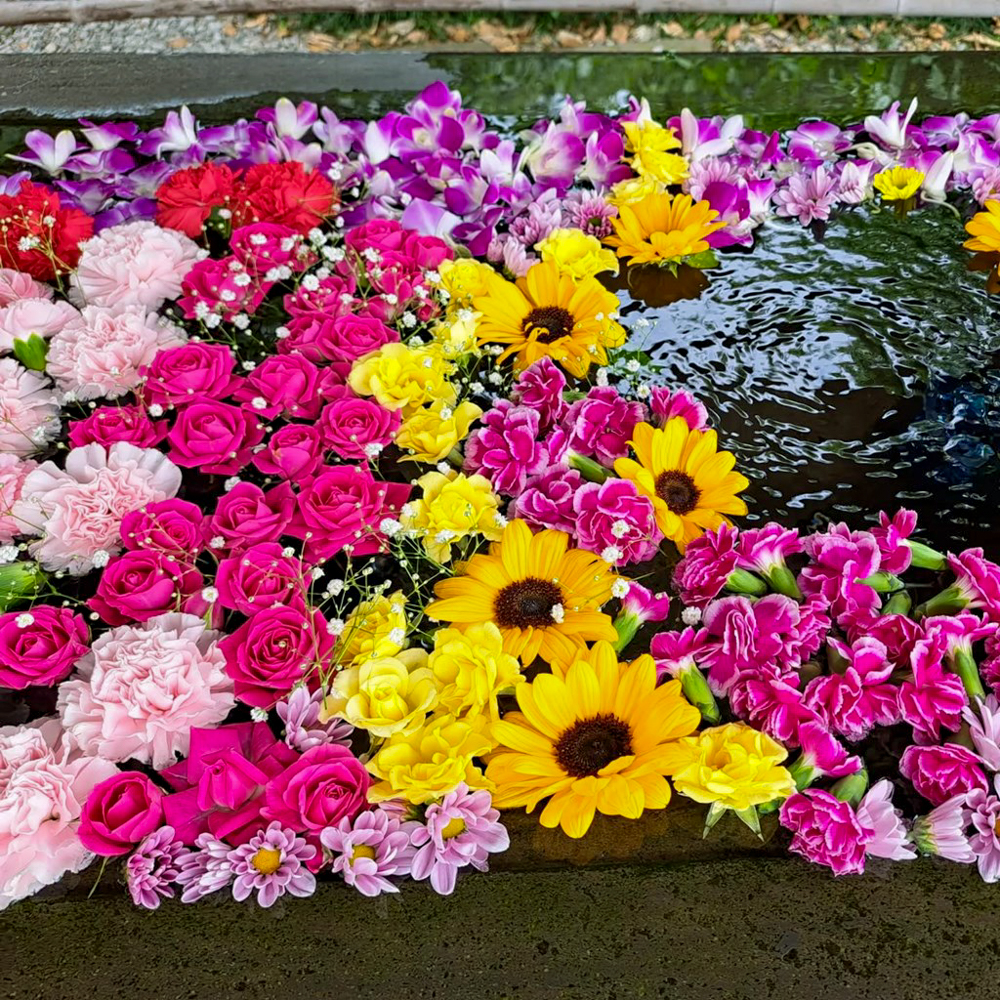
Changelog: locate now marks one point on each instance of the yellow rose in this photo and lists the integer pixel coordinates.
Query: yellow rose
(576, 253)
(404, 378)
(427, 764)
(374, 629)
(431, 433)
(634, 189)
(457, 335)
(649, 143)
(392, 694)
(453, 506)
(471, 669)
(463, 279)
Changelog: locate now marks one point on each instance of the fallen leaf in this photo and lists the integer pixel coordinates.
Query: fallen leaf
(416, 37)
(230, 30)
(458, 32)
(619, 33)
(317, 41)
(403, 27)
(734, 32)
(600, 36)
(937, 31)
(569, 39)
(178, 43)
(256, 22)
(978, 38)
(672, 29)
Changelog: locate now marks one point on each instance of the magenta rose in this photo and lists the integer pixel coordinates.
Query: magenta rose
(293, 452)
(247, 515)
(377, 234)
(349, 423)
(344, 338)
(214, 437)
(273, 650)
(333, 297)
(182, 375)
(174, 527)
(40, 652)
(343, 508)
(119, 813)
(286, 384)
(325, 785)
(139, 585)
(939, 773)
(263, 245)
(258, 578)
(108, 424)
(220, 785)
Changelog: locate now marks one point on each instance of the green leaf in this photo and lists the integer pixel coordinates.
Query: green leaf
(702, 260)
(31, 352)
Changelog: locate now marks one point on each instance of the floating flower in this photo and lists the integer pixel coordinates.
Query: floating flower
(942, 831)
(940, 772)
(576, 254)
(375, 628)
(432, 432)
(898, 183)
(600, 738)
(982, 812)
(663, 229)
(692, 485)
(543, 596)
(984, 228)
(650, 146)
(890, 836)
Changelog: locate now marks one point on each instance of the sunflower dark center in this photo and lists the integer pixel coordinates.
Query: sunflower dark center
(526, 604)
(678, 491)
(591, 744)
(548, 323)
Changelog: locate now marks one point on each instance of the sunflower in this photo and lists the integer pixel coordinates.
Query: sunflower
(597, 739)
(691, 483)
(661, 229)
(548, 312)
(543, 596)
(984, 228)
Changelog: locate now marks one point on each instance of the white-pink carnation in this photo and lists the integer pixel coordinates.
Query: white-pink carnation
(43, 787)
(133, 264)
(29, 412)
(139, 691)
(44, 317)
(16, 285)
(13, 471)
(101, 351)
(77, 511)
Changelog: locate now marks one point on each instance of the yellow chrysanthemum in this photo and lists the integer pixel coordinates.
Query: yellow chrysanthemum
(577, 254)
(374, 629)
(662, 229)
(984, 228)
(392, 694)
(548, 313)
(430, 762)
(464, 279)
(471, 670)
(404, 378)
(451, 508)
(898, 183)
(429, 434)
(596, 740)
(691, 483)
(649, 144)
(733, 766)
(543, 596)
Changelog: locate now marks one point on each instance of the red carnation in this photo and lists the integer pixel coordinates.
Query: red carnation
(286, 194)
(38, 235)
(186, 199)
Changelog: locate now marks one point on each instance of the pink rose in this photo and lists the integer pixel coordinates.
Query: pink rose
(43, 651)
(247, 515)
(214, 437)
(343, 508)
(349, 423)
(109, 424)
(265, 245)
(286, 384)
(141, 584)
(173, 527)
(271, 652)
(119, 813)
(379, 234)
(333, 297)
(220, 786)
(339, 338)
(258, 578)
(181, 375)
(293, 452)
(325, 785)
(214, 286)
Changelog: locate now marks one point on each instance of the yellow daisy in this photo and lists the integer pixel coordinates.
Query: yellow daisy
(898, 183)
(660, 229)
(542, 595)
(984, 228)
(690, 482)
(548, 312)
(597, 739)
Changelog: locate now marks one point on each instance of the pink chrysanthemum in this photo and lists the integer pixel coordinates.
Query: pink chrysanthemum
(272, 863)
(152, 869)
(370, 849)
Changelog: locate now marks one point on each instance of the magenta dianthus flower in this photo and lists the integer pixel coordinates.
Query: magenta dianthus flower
(891, 535)
(507, 448)
(933, 698)
(547, 500)
(668, 403)
(614, 519)
(841, 558)
(540, 387)
(601, 424)
(708, 562)
(826, 831)
(940, 772)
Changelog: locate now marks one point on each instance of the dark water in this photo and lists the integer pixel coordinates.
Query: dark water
(851, 370)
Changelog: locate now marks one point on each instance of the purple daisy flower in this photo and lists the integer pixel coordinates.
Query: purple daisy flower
(272, 863)
(205, 870)
(303, 730)
(153, 868)
(370, 849)
(982, 812)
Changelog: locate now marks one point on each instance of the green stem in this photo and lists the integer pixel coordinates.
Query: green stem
(965, 666)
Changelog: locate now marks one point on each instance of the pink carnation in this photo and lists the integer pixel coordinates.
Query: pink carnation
(772, 704)
(826, 831)
(133, 264)
(841, 557)
(506, 448)
(16, 285)
(676, 652)
(540, 386)
(43, 786)
(891, 535)
(762, 549)
(40, 316)
(978, 581)
(614, 518)
(668, 403)
(933, 698)
(547, 501)
(898, 633)
(29, 412)
(13, 472)
(938, 773)
(601, 424)
(707, 564)
(100, 352)
(142, 688)
(78, 512)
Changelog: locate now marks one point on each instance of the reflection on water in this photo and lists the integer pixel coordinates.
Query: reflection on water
(849, 371)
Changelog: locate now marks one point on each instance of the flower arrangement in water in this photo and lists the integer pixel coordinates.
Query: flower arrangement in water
(329, 480)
